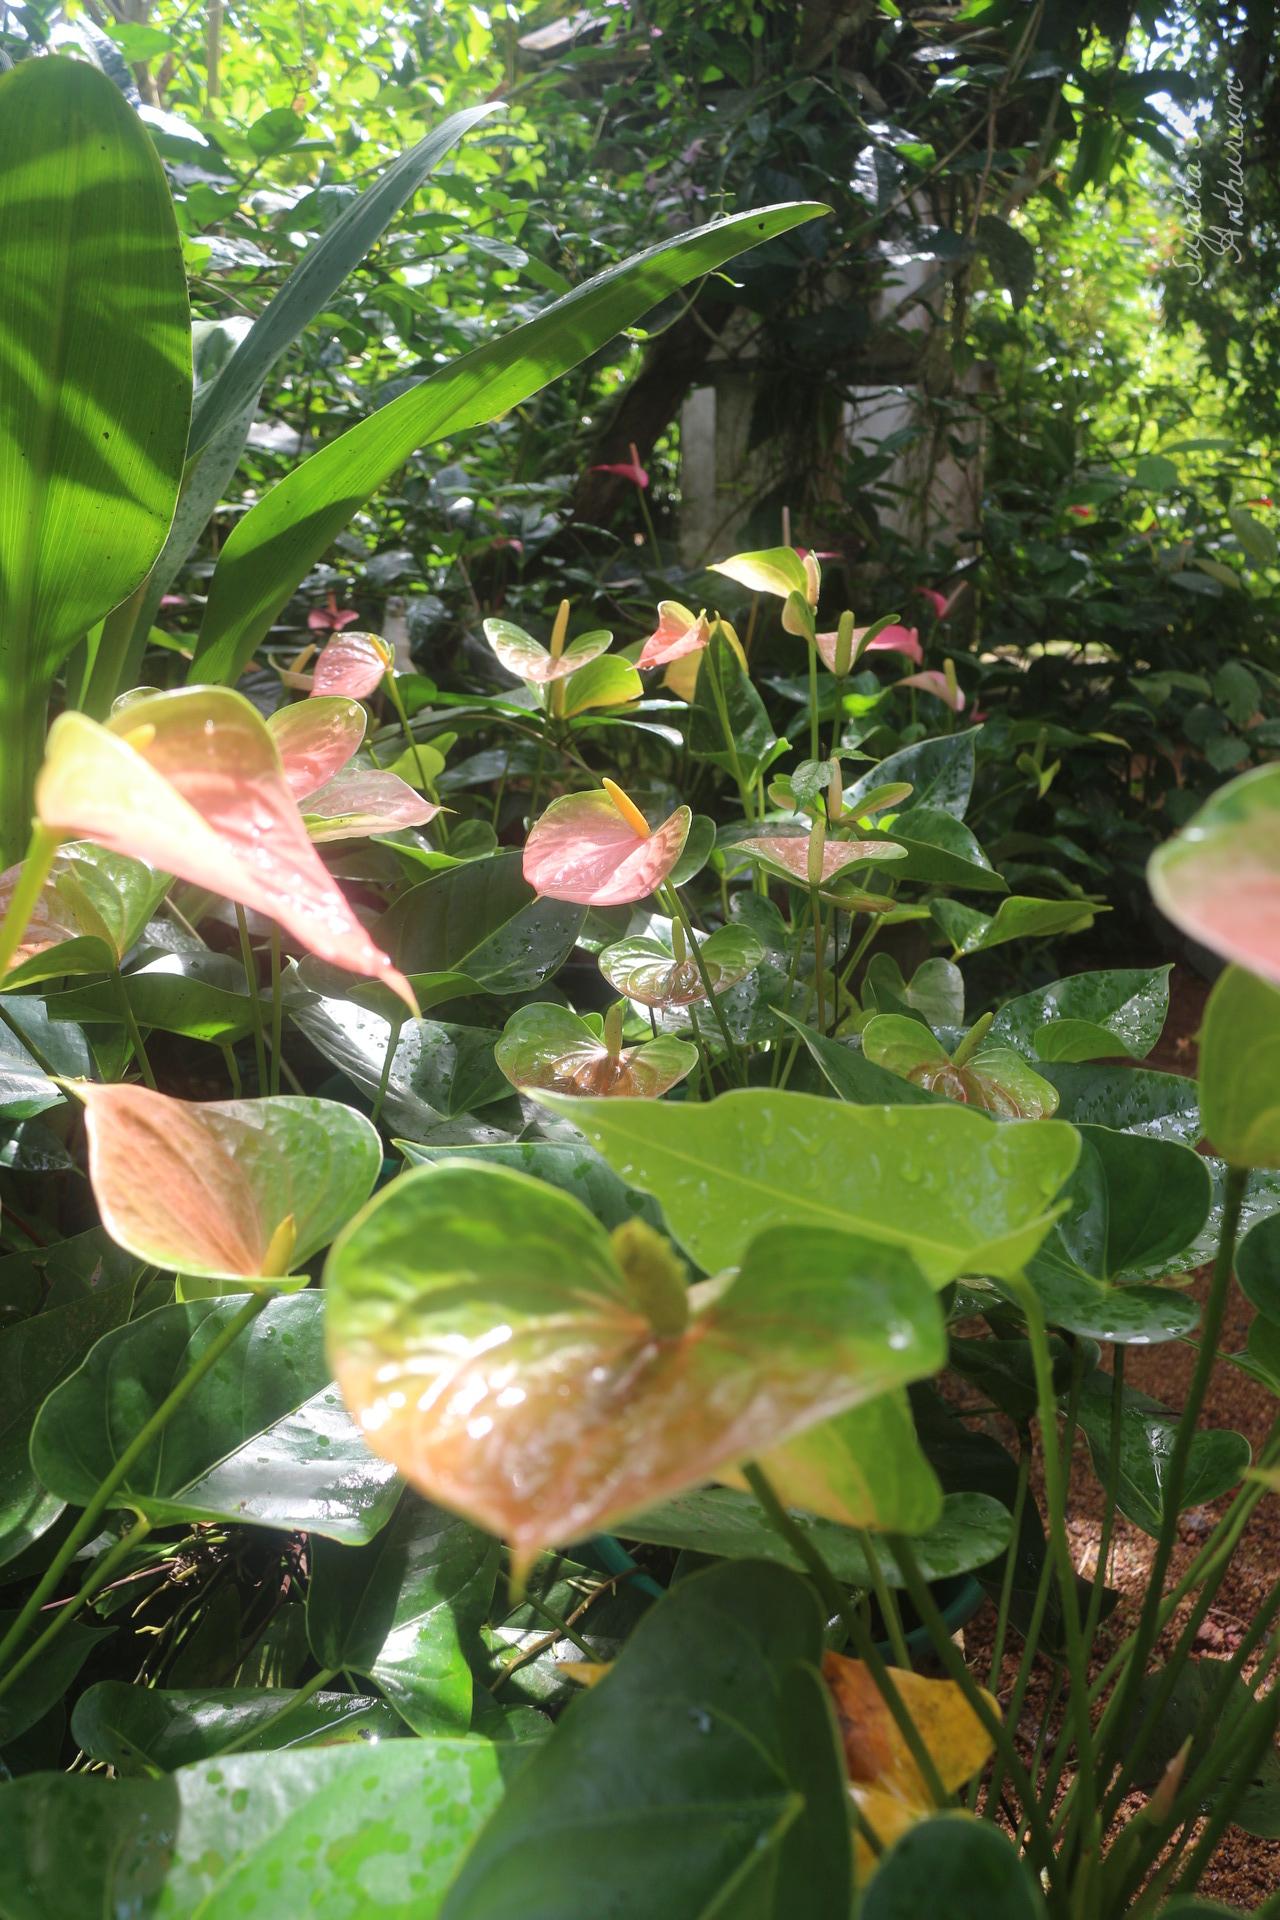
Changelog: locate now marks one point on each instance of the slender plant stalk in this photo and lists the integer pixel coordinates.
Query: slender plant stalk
(1111, 1489)
(277, 1009)
(132, 1029)
(415, 748)
(837, 1604)
(670, 896)
(887, 1601)
(815, 751)
(108, 1487)
(819, 956)
(255, 1004)
(384, 1078)
(96, 1579)
(41, 848)
(316, 1684)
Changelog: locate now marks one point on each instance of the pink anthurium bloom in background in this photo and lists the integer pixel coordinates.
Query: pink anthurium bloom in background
(315, 739)
(889, 640)
(1083, 513)
(596, 849)
(192, 783)
(678, 632)
(942, 686)
(626, 469)
(796, 856)
(352, 663)
(943, 604)
(540, 666)
(332, 618)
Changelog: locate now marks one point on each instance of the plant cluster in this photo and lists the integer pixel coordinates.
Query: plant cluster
(520, 1466)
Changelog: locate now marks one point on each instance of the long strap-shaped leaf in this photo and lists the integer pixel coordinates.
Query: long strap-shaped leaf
(281, 538)
(319, 274)
(95, 384)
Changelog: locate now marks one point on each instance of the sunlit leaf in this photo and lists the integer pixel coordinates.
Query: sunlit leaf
(315, 738)
(551, 1047)
(644, 969)
(1090, 1016)
(230, 1189)
(362, 800)
(788, 855)
(192, 783)
(138, 1730)
(90, 911)
(529, 660)
(994, 1078)
(607, 682)
(1219, 879)
(776, 570)
(525, 1371)
(584, 850)
(352, 664)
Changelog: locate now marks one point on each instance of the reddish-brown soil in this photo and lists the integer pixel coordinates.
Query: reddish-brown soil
(1246, 1871)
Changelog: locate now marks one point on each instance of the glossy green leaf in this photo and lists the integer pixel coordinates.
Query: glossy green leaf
(136, 1730)
(606, 682)
(1165, 1106)
(853, 1077)
(935, 992)
(1258, 1266)
(728, 723)
(572, 1166)
(483, 920)
(939, 772)
(1193, 1716)
(1219, 879)
(523, 1369)
(279, 539)
(1017, 918)
(47, 1680)
(1217, 1460)
(437, 1070)
(201, 995)
(775, 570)
(995, 1079)
(961, 1194)
(94, 440)
(242, 1190)
(970, 1863)
(403, 1611)
(1240, 1070)
(34, 1356)
(551, 1047)
(940, 851)
(733, 1791)
(263, 1439)
(239, 1837)
(862, 1469)
(1090, 1016)
(91, 909)
(645, 969)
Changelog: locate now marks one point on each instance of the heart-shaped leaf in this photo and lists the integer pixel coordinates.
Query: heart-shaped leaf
(25, 1088)
(788, 855)
(526, 1372)
(1258, 1266)
(352, 664)
(776, 570)
(91, 909)
(1165, 1106)
(984, 1876)
(362, 800)
(1219, 879)
(530, 661)
(1147, 1434)
(1017, 918)
(862, 1469)
(191, 782)
(939, 773)
(588, 851)
(242, 1190)
(139, 1731)
(551, 1047)
(1240, 1070)
(1089, 1017)
(938, 850)
(202, 995)
(961, 1194)
(241, 1823)
(935, 992)
(483, 920)
(1205, 1694)
(262, 1440)
(994, 1078)
(315, 739)
(644, 969)
(607, 682)
(570, 1165)
(854, 1078)
(403, 1611)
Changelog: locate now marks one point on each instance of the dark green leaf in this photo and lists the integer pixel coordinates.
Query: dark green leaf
(1089, 1016)
(1217, 1460)
(940, 773)
(138, 1729)
(483, 920)
(968, 1865)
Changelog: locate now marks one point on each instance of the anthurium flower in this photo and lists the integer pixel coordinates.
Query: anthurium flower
(678, 632)
(540, 666)
(796, 857)
(943, 686)
(625, 469)
(191, 783)
(551, 1048)
(315, 738)
(997, 1079)
(1082, 513)
(596, 849)
(235, 1190)
(884, 1781)
(891, 639)
(943, 604)
(1219, 878)
(644, 969)
(332, 618)
(526, 1369)
(352, 663)
(778, 570)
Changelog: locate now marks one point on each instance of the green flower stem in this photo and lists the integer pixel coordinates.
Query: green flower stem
(670, 897)
(1112, 1733)
(837, 1605)
(999, 1731)
(277, 1010)
(1055, 1476)
(744, 786)
(815, 752)
(1013, 1712)
(564, 1628)
(255, 1005)
(132, 1029)
(1006, 1588)
(702, 1072)
(95, 1580)
(1258, 1742)
(41, 848)
(316, 1684)
(1111, 1489)
(86, 1526)
(819, 957)
(384, 1078)
(887, 1601)
(428, 785)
